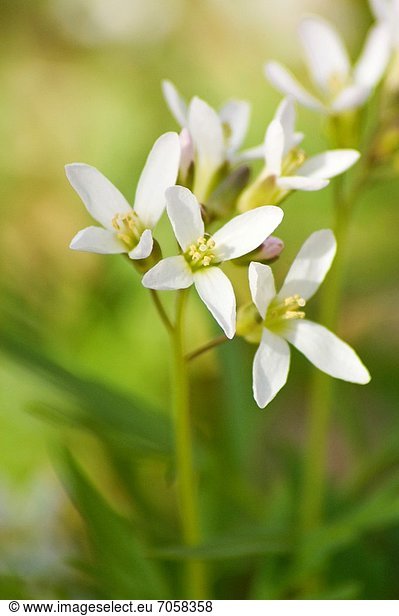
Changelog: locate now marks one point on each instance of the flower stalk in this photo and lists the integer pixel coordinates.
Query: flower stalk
(321, 402)
(161, 311)
(208, 346)
(195, 584)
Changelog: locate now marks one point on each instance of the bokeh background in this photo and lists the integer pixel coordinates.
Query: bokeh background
(86, 475)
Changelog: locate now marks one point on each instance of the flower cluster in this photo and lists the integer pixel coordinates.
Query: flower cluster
(201, 177)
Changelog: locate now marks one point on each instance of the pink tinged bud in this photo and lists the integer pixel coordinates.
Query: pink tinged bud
(268, 252)
(271, 249)
(187, 152)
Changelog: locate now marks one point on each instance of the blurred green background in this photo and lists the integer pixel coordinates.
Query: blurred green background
(84, 360)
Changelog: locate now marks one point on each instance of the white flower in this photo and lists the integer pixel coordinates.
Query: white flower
(286, 116)
(387, 13)
(125, 229)
(340, 86)
(202, 254)
(282, 319)
(215, 136)
(286, 167)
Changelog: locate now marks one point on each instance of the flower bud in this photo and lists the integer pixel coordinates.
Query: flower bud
(386, 143)
(268, 252)
(264, 191)
(222, 200)
(186, 158)
(391, 84)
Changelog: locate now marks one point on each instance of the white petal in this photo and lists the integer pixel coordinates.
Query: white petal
(325, 53)
(261, 283)
(160, 172)
(96, 239)
(374, 57)
(169, 274)
(274, 147)
(326, 351)
(350, 98)
(206, 131)
(298, 138)
(286, 115)
(329, 164)
(184, 213)
(381, 9)
(236, 115)
(246, 232)
(299, 182)
(284, 81)
(310, 265)
(144, 247)
(101, 198)
(175, 102)
(270, 368)
(216, 291)
(255, 153)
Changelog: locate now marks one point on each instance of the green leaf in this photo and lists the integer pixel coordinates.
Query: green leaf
(13, 587)
(95, 406)
(376, 512)
(373, 468)
(225, 549)
(120, 568)
(349, 590)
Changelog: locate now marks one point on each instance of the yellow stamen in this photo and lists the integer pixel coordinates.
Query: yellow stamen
(200, 254)
(129, 228)
(286, 310)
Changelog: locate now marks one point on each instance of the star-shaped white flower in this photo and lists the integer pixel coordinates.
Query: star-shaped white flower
(387, 13)
(282, 319)
(286, 167)
(202, 254)
(340, 86)
(125, 229)
(209, 138)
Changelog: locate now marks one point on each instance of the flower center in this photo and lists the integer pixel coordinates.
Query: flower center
(200, 254)
(227, 132)
(292, 161)
(289, 308)
(128, 228)
(336, 83)
(249, 323)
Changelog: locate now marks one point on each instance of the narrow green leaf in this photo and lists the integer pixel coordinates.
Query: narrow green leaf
(374, 513)
(225, 549)
(120, 568)
(95, 406)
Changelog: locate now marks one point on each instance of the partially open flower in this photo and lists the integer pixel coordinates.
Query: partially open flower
(215, 136)
(125, 229)
(339, 86)
(286, 166)
(387, 13)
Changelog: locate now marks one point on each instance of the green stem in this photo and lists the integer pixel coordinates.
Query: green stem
(206, 347)
(187, 483)
(161, 311)
(321, 386)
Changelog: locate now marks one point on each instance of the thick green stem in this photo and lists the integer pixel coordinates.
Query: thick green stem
(321, 400)
(187, 484)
